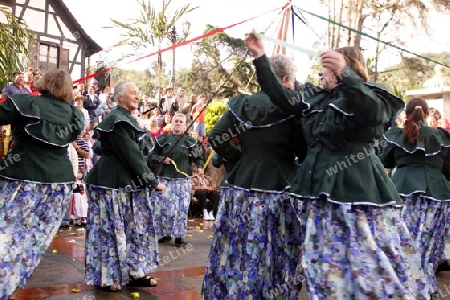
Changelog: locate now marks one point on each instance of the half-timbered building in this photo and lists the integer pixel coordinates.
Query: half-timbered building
(60, 41)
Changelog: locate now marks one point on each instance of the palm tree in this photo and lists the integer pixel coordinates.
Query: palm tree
(14, 39)
(151, 28)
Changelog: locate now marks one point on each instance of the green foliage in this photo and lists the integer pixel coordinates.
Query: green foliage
(14, 38)
(152, 28)
(411, 73)
(219, 67)
(144, 80)
(214, 112)
(399, 93)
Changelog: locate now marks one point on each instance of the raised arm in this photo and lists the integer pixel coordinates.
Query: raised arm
(288, 100)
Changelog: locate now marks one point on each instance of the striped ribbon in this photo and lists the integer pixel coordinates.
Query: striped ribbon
(183, 43)
(308, 52)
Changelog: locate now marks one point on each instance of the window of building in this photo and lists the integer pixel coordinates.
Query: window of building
(48, 57)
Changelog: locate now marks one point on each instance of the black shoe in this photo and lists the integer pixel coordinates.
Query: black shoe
(445, 266)
(179, 242)
(164, 239)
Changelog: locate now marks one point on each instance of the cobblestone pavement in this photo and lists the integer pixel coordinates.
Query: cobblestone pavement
(61, 272)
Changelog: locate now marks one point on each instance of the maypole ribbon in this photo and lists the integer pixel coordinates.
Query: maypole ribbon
(208, 160)
(183, 43)
(308, 52)
(373, 38)
(176, 168)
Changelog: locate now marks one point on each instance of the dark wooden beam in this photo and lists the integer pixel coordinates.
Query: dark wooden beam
(74, 58)
(24, 7)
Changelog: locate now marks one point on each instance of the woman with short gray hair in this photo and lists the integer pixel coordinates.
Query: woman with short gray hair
(120, 230)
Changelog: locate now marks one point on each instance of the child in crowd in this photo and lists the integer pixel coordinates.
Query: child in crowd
(79, 202)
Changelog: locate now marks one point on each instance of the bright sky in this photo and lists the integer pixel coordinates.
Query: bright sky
(93, 15)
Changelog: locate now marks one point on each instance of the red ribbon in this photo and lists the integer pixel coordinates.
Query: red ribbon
(183, 43)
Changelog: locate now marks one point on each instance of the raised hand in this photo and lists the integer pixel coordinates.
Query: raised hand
(254, 44)
(333, 61)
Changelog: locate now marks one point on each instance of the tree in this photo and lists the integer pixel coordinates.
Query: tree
(144, 80)
(412, 72)
(363, 15)
(14, 39)
(151, 28)
(219, 67)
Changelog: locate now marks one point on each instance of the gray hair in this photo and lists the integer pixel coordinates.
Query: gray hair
(121, 88)
(283, 66)
(178, 115)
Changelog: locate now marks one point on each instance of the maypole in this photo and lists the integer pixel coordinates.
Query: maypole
(282, 30)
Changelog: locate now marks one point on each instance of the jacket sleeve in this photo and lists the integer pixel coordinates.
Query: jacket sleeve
(219, 138)
(197, 156)
(288, 100)
(370, 107)
(8, 112)
(300, 146)
(387, 156)
(129, 154)
(157, 154)
(446, 166)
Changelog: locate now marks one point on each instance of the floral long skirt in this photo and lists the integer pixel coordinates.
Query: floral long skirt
(359, 252)
(428, 222)
(30, 216)
(256, 248)
(172, 206)
(121, 239)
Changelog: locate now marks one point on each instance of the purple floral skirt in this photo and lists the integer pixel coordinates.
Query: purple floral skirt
(172, 207)
(256, 248)
(359, 252)
(30, 216)
(121, 239)
(428, 222)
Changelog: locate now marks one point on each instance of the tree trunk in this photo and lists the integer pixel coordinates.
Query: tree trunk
(159, 75)
(339, 20)
(350, 4)
(359, 27)
(377, 49)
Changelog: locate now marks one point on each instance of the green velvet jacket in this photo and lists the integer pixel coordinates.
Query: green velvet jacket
(341, 128)
(42, 128)
(421, 167)
(124, 147)
(182, 149)
(269, 142)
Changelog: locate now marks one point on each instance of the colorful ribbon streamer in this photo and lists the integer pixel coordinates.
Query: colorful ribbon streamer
(308, 52)
(183, 43)
(208, 160)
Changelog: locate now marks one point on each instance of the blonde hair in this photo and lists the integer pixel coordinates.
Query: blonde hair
(58, 83)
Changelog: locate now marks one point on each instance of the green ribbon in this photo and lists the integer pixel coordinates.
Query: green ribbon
(372, 37)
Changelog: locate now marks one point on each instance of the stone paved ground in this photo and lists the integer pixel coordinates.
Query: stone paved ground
(61, 272)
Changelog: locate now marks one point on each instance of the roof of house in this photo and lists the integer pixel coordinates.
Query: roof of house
(72, 24)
